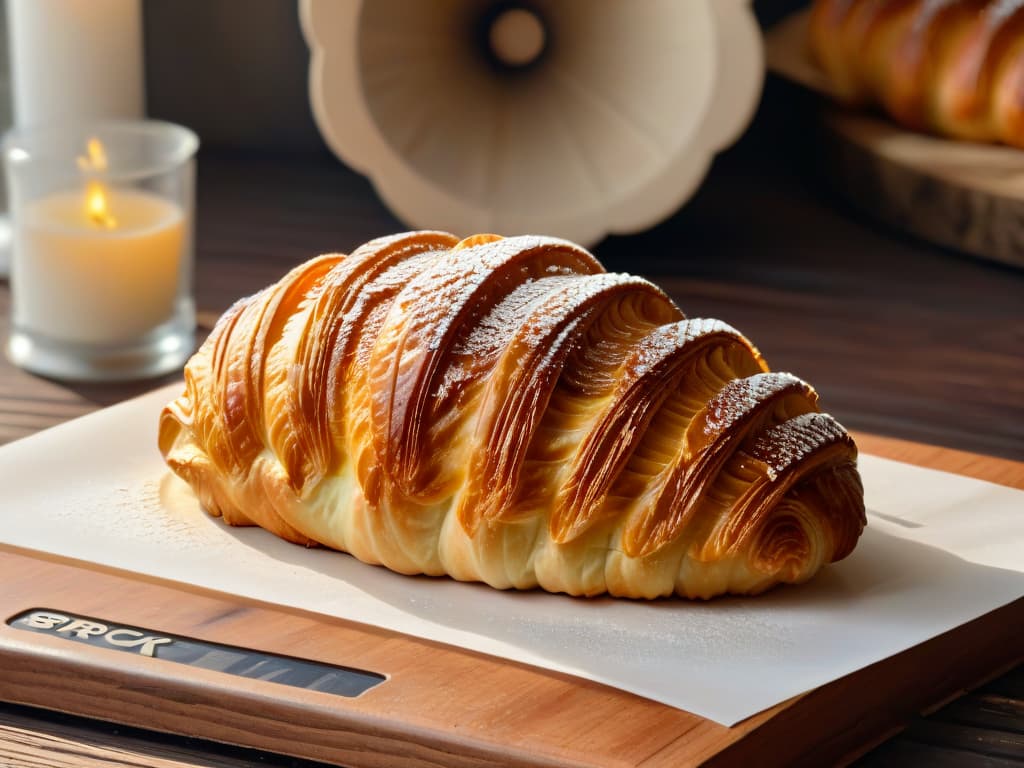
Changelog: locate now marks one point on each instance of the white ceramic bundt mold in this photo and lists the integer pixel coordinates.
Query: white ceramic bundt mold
(575, 118)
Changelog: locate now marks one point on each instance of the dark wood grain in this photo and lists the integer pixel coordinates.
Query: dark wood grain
(76, 742)
(1009, 686)
(986, 711)
(901, 753)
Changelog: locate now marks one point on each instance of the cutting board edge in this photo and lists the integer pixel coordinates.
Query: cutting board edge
(700, 741)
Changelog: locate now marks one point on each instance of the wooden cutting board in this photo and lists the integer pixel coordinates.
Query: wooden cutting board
(423, 703)
(963, 195)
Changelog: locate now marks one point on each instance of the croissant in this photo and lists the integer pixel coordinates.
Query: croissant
(505, 411)
(953, 67)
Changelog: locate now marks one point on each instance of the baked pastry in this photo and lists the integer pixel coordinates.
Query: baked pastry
(954, 67)
(505, 411)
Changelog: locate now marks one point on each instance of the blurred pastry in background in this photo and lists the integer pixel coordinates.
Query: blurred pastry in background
(951, 67)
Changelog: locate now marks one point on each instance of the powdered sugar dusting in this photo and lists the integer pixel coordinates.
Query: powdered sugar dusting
(786, 444)
(669, 339)
(1002, 10)
(492, 333)
(459, 275)
(740, 397)
(572, 296)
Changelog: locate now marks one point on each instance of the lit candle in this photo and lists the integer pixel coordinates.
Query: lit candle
(99, 267)
(101, 274)
(72, 60)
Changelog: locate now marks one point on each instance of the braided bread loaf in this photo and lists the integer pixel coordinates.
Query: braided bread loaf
(955, 67)
(504, 410)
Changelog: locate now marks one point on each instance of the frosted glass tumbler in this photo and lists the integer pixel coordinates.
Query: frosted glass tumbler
(102, 261)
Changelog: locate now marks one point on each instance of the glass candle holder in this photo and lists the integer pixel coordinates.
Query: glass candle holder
(102, 259)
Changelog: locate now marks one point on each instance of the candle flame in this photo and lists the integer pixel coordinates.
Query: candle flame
(95, 158)
(96, 205)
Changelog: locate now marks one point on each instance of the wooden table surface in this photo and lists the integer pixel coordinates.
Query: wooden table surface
(900, 338)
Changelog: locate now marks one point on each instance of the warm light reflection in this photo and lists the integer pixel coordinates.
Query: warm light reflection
(95, 158)
(96, 205)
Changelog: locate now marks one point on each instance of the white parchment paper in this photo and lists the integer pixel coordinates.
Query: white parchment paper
(940, 550)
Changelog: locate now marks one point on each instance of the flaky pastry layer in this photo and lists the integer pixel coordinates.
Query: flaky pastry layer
(504, 410)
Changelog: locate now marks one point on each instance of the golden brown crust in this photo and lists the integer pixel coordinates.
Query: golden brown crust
(503, 410)
(954, 67)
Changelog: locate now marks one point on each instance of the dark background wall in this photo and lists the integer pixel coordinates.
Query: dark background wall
(236, 72)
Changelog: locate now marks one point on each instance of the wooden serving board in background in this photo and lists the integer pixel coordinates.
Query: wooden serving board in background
(963, 195)
(440, 705)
